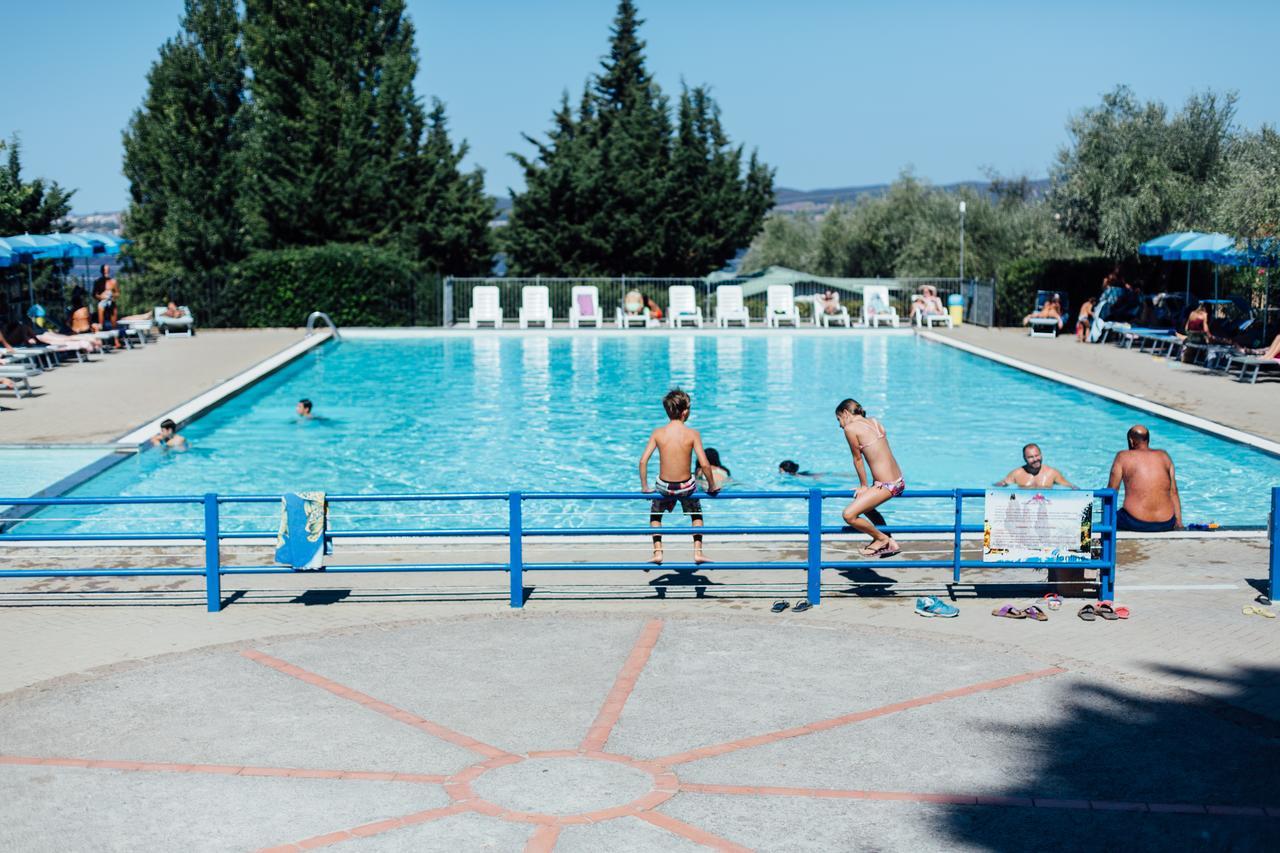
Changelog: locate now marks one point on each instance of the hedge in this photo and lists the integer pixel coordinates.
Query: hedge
(356, 285)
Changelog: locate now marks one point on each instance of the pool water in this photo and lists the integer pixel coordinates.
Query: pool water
(554, 412)
(29, 470)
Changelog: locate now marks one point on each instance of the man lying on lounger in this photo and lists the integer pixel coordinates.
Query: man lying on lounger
(1151, 502)
(1034, 474)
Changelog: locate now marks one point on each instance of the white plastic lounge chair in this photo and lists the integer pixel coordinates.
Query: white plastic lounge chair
(877, 308)
(486, 306)
(584, 306)
(682, 306)
(780, 306)
(183, 324)
(729, 306)
(1043, 327)
(826, 320)
(535, 305)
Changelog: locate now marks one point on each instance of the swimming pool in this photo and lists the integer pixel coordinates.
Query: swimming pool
(547, 412)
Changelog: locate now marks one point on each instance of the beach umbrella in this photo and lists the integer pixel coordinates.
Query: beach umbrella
(32, 247)
(1201, 248)
(7, 254)
(1159, 245)
(1264, 254)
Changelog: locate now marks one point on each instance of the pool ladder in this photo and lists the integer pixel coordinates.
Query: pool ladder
(320, 315)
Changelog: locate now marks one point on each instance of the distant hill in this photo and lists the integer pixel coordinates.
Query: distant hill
(791, 200)
(816, 201)
(786, 199)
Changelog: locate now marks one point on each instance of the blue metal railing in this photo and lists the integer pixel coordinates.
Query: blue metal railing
(515, 533)
(1273, 533)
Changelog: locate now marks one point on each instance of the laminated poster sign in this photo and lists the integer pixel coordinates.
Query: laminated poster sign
(1049, 526)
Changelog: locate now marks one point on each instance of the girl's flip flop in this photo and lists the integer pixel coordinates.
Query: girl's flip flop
(1036, 613)
(1008, 611)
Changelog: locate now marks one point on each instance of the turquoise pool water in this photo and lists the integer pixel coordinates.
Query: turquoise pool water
(28, 470)
(554, 412)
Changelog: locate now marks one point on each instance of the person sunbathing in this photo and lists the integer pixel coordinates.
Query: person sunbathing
(1051, 310)
(172, 311)
(1272, 351)
(827, 302)
(633, 303)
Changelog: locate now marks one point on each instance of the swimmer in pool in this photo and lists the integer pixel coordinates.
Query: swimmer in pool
(303, 409)
(1034, 474)
(792, 469)
(168, 436)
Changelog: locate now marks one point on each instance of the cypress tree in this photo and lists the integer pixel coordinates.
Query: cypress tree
(447, 215)
(333, 113)
(611, 192)
(181, 149)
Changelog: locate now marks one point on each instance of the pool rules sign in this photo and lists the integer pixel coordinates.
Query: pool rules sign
(1025, 525)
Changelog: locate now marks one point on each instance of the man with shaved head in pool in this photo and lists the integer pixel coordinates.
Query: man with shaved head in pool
(1151, 502)
(1034, 474)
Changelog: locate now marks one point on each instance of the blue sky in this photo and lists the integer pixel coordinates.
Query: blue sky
(831, 93)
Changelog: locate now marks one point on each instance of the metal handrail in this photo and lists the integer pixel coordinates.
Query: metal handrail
(320, 315)
(515, 532)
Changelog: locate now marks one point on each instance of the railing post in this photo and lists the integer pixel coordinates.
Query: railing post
(212, 559)
(1274, 527)
(1107, 575)
(815, 547)
(515, 547)
(955, 555)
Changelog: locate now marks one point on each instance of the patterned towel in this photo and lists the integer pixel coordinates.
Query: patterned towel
(302, 542)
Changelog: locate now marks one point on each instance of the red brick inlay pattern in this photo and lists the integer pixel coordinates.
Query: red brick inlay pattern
(665, 784)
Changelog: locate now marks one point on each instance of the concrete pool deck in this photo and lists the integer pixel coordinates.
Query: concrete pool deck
(1189, 388)
(115, 393)
(404, 712)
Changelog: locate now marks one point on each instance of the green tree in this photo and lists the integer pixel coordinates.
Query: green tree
(332, 113)
(181, 154)
(1130, 173)
(29, 207)
(616, 190)
(1249, 203)
(446, 216)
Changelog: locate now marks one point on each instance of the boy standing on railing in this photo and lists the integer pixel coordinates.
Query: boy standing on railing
(675, 444)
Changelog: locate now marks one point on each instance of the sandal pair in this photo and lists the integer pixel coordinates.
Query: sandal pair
(1104, 610)
(1008, 611)
(801, 606)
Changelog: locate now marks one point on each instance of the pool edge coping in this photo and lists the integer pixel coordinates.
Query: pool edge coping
(201, 404)
(1158, 409)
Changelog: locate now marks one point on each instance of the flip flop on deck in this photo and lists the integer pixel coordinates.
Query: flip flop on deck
(1087, 613)
(1036, 613)
(779, 606)
(1008, 611)
(1254, 610)
(1106, 611)
(801, 606)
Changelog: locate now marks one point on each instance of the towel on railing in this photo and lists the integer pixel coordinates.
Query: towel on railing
(302, 542)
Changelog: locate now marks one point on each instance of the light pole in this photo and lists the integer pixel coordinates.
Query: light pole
(962, 242)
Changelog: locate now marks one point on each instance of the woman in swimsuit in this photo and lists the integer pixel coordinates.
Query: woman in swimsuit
(868, 442)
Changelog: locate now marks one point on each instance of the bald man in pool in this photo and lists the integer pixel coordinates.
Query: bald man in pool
(1034, 474)
(1151, 501)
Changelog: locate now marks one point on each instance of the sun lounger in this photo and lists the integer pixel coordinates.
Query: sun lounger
(1044, 327)
(42, 357)
(780, 306)
(584, 306)
(19, 377)
(486, 306)
(729, 306)
(1251, 365)
(824, 319)
(627, 320)
(535, 305)
(682, 306)
(183, 325)
(877, 307)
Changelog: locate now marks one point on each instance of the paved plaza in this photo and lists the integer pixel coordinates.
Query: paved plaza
(411, 712)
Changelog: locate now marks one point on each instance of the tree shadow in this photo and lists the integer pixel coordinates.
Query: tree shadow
(1137, 769)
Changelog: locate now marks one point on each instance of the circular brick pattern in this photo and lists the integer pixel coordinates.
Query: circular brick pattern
(561, 787)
